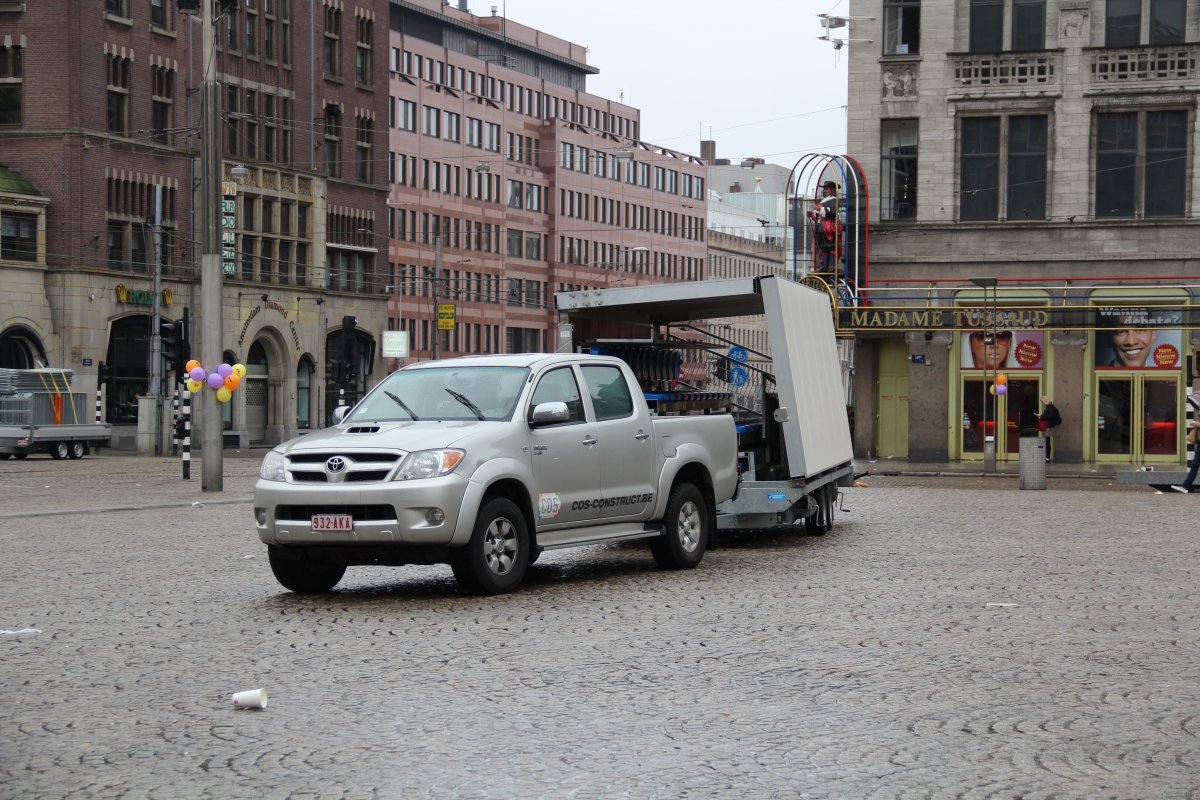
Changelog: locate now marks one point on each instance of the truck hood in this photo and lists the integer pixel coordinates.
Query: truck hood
(402, 435)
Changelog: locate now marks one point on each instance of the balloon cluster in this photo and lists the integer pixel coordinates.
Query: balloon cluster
(224, 379)
(1001, 385)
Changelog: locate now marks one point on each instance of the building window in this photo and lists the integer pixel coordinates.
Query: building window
(431, 121)
(1025, 185)
(233, 123)
(1020, 144)
(118, 8)
(1141, 163)
(162, 99)
(987, 25)
(251, 29)
(1029, 25)
(159, 15)
(333, 135)
(18, 237)
(118, 93)
(898, 169)
(10, 85)
(270, 128)
(901, 27)
(362, 150)
(333, 42)
(1129, 23)
(362, 64)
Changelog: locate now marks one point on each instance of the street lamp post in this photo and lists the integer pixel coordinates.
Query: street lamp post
(210, 252)
(989, 442)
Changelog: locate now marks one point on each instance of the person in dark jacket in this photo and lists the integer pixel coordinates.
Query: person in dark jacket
(1047, 420)
(1194, 423)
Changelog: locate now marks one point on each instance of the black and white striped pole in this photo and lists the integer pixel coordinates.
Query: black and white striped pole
(187, 434)
(99, 392)
(175, 431)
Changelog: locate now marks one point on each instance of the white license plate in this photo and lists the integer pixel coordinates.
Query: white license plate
(332, 522)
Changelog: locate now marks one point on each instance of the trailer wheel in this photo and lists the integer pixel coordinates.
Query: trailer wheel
(59, 450)
(303, 574)
(686, 537)
(5, 456)
(821, 522)
(20, 456)
(495, 559)
(78, 450)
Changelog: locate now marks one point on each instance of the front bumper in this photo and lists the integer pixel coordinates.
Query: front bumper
(385, 513)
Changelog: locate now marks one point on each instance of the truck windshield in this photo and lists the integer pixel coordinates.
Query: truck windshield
(444, 393)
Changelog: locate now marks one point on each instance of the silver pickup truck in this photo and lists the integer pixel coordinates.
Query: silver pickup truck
(483, 462)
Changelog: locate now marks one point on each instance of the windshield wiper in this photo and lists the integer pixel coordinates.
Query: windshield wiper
(401, 403)
(462, 398)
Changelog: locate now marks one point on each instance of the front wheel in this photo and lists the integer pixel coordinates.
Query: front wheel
(59, 450)
(686, 536)
(495, 559)
(303, 574)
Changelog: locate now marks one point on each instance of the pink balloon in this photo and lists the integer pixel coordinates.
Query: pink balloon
(215, 381)
(198, 374)
(224, 370)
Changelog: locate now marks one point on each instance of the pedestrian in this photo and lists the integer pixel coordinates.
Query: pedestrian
(1193, 439)
(1047, 420)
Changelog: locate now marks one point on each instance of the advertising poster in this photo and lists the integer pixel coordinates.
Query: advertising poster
(1133, 337)
(1011, 349)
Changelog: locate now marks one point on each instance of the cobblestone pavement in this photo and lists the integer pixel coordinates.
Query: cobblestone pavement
(953, 637)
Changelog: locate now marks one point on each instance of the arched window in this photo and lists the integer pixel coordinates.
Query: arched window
(20, 348)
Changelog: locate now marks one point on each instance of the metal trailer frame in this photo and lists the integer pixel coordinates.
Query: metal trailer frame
(21, 433)
(807, 377)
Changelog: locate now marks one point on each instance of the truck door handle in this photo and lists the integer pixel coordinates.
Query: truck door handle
(588, 442)
(641, 435)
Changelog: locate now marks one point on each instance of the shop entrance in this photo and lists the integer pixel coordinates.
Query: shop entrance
(1016, 410)
(1137, 417)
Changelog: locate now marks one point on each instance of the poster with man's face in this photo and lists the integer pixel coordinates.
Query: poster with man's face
(1138, 337)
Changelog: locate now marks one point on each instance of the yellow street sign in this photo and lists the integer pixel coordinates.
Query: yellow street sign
(445, 316)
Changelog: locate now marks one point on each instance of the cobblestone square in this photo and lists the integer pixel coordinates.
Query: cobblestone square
(953, 637)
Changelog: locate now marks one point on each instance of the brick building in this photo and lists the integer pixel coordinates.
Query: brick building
(378, 158)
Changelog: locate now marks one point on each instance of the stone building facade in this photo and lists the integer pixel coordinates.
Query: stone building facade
(1034, 191)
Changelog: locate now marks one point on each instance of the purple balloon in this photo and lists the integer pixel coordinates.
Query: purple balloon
(224, 371)
(215, 380)
(1002, 389)
(198, 374)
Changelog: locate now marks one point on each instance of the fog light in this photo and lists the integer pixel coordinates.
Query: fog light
(260, 516)
(435, 516)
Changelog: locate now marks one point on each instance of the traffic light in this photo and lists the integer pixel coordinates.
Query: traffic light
(105, 373)
(172, 345)
(721, 368)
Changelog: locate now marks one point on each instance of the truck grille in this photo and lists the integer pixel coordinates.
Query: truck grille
(364, 513)
(355, 467)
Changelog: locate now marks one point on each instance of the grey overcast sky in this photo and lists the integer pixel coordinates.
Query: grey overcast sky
(751, 75)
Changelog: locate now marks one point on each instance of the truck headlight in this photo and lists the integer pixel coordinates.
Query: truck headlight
(429, 464)
(274, 467)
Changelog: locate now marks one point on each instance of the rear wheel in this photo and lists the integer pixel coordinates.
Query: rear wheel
(820, 521)
(495, 559)
(686, 537)
(59, 450)
(5, 456)
(78, 450)
(20, 456)
(302, 573)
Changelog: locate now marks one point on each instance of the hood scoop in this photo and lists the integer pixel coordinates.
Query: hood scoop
(363, 429)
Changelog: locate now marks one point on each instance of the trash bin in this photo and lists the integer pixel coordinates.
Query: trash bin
(1033, 460)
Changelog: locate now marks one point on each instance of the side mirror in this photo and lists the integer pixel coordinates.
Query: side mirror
(550, 413)
(339, 414)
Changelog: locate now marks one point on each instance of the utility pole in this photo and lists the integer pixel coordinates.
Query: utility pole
(156, 381)
(211, 294)
(437, 282)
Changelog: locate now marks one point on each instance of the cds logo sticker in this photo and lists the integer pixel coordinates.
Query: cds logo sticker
(549, 506)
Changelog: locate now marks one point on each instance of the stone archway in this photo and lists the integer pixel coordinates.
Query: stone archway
(21, 348)
(267, 388)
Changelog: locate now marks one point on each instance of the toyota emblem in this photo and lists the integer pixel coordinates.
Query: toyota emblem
(336, 464)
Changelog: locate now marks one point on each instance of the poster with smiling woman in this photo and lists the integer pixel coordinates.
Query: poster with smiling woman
(1138, 337)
